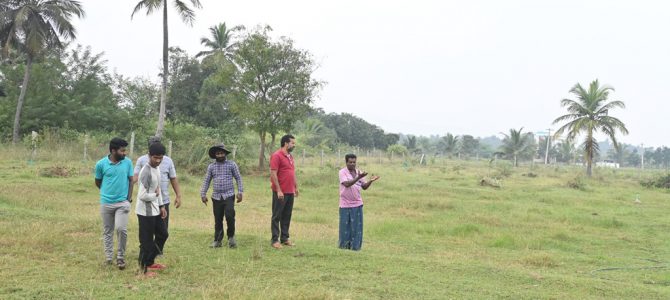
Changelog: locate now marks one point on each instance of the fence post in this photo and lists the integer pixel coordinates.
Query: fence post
(170, 148)
(132, 143)
(303, 156)
(34, 145)
(338, 153)
(380, 156)
(321, 157)
(234, 151)
(85, 147)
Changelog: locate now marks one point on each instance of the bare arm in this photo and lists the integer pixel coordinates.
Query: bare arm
(98, 182)
(353, 181)
(367, 184)
(130, 188)
(275, 180)
(175, 186)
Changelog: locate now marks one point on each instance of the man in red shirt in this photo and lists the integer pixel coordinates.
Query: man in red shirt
(284, 189)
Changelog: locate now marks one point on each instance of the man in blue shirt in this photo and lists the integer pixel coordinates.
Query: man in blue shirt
(114, 178)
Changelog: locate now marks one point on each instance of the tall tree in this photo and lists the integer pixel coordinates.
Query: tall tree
(220, 42)
(274, 88)
(449, 144)
(33, 26)
(188, 16)
(516, 143)
(590, 114)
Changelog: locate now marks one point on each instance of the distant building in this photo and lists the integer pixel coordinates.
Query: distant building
(607, 164)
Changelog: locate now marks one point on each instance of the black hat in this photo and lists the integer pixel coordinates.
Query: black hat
(215, 148)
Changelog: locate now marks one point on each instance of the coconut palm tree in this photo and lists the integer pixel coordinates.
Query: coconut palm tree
(31, 27)
(220, 41)
(516, 143)
(589, 114)
(449, 143)
(188, 16)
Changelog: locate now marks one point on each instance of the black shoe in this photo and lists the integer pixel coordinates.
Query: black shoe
(121, 263)
(232, 243)
(215, 244)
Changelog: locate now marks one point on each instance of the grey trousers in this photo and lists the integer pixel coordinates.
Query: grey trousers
(115, 218)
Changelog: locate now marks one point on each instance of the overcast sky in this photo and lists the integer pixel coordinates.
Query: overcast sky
(432, 67)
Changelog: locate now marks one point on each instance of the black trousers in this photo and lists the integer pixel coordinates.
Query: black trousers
(167, 221)
(224, 208)
(281, 217)
(153, 235)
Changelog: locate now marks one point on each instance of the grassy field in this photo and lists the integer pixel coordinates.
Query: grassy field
(431, 232)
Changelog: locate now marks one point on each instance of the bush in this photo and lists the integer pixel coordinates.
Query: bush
(662, 182)
(578, 183)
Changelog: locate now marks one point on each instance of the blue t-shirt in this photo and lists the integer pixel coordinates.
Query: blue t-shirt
(115, 179)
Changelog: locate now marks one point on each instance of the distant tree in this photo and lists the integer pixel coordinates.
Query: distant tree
(449, 144)
(184, 85)
(468, 145)
(188, 16)
(566, 152)
(33, 26)
(516, 144)
(220, 42)
(275, 86)
(589, 114)
(542, 148)
(410, 144)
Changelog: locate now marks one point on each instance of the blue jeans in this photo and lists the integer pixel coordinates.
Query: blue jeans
(351, 228)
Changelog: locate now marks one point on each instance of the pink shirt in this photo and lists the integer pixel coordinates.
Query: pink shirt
(350, 196)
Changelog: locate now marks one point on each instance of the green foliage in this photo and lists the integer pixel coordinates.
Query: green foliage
(518, 145)
(590, 113)
(662, 182)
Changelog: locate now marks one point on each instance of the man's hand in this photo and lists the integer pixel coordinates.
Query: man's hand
(177, 201)
(130, 199)
(239, 197)
(362, 174)
(374, 178)
(280, 195)
(163, 213)
(158, 192)
(204, 200)
(296, 192)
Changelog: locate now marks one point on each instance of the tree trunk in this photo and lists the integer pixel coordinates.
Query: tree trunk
(261, 155)
(589, 152)
(272, 140)
(161, 114)
(19, 103)
(515, 164)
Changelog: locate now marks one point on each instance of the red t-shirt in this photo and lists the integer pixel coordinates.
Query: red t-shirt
(283, 163)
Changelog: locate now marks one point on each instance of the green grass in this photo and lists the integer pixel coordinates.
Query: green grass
(431, 232)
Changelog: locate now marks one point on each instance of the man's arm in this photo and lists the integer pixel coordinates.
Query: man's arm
(367, 184)
(353, 181)
(130, 188)
(175, 186)
(205, 186)
(275, 180)
(238, 180)
(98, 182)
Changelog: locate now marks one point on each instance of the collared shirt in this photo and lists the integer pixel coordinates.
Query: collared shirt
(283, 164)
(222, 173)
(350, 196)
(167, 172)
(115, 179)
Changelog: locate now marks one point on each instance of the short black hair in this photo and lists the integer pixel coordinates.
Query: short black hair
(156, 149)
(117, 143)
(349, 156)
(153, 139)
(286, 139)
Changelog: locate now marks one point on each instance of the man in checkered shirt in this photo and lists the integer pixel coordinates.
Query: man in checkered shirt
(222, 172)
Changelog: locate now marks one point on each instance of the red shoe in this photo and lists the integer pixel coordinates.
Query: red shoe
(156, 267)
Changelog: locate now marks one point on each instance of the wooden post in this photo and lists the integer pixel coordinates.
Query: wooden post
(170, 148)
(85, 147)
(234, 151)
(338, 153)
(132, 143)
(380, 156)
(34, 145)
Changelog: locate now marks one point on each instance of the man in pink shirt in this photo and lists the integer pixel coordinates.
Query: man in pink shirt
(351, 204)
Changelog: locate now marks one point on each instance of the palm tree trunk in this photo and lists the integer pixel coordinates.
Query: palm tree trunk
(589, 152)
(19, 103)
(261, 155)
(161, 114)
